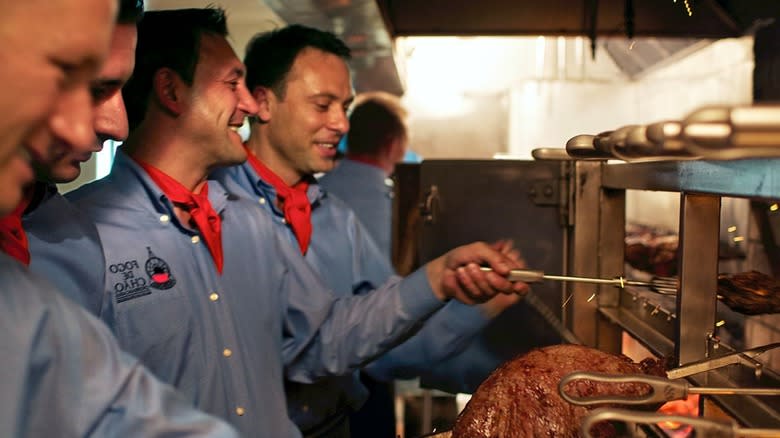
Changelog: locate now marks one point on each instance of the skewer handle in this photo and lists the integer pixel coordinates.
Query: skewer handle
(524, 275)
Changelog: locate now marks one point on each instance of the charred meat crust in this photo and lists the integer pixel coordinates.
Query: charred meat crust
(520, 398)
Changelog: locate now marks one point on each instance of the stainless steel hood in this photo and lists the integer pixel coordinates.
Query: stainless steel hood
(657, 18)
(369, 26)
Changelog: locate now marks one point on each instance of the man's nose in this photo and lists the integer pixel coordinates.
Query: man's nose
(72, 119)
(340, 121)
(111, 119)
(246, 102)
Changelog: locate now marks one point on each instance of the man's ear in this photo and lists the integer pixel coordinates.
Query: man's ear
(168, 90)
(265, 100)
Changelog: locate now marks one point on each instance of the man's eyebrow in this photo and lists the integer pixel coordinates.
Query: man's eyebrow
(237, 72)
(326, 94)
(91, 63)
(332, 97)
(107, 82)
(79, 68)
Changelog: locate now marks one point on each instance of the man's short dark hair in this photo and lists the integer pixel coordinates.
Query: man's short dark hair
(130, 11)
(168, 39)
(270, 55)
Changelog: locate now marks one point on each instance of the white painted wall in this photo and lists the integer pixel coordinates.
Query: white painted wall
(552, 90)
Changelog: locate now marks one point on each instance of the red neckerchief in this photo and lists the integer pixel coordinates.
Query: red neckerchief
(13, 239)
(292, 200)
(206, 219)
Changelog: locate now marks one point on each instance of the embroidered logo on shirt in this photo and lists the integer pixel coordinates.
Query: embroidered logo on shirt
(129, 285)
(159, 272)
(130, 281)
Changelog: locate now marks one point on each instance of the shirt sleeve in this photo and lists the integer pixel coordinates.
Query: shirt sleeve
(56, 231)
(325, 334)
(64, 375)
(445, 334)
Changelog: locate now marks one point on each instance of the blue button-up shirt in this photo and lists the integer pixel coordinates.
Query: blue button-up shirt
(62, 373)
(350, 262)
(369, 192)
(65, 248)
(227, 341)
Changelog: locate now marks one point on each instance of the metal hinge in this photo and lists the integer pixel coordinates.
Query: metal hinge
(545, 192)
(553, 192)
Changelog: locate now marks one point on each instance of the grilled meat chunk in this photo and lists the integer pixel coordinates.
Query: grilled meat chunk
(751, 293)
(520, 398)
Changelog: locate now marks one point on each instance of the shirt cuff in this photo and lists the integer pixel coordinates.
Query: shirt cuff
(417, 297)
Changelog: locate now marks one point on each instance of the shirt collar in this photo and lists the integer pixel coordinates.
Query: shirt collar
(42, 193)
(363, 171)
(265, 189)
(125, 169)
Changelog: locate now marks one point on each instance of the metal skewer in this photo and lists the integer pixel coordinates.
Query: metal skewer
(663, 286)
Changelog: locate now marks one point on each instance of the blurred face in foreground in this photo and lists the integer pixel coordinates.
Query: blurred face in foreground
(110, 121)
(46, 77)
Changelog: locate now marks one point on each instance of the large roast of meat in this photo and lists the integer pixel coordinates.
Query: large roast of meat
(751, 293)
(520, 398)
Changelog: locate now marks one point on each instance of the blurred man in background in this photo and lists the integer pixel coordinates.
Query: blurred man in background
(376, 142)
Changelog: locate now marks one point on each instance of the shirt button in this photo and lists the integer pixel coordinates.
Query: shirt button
(195, 239)
(261, 201)
(227, 352)
(240, 411)
(284, 221)
(165, 218)
(214, 296)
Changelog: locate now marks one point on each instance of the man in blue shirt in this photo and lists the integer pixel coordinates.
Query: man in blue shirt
(300, 80)
(55, 229)
(61, 372)
(198, 285)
